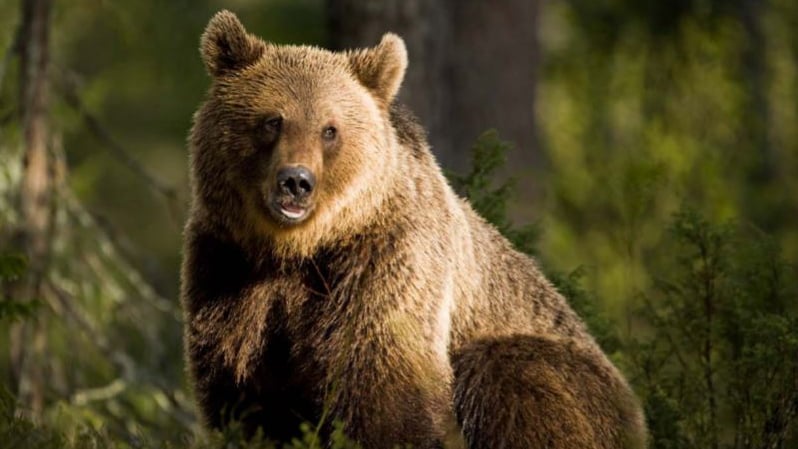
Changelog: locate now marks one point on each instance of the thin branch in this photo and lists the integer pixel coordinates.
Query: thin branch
(119, 359)
(109, 248)
(69, 92)
(99, 394)
(675, 347)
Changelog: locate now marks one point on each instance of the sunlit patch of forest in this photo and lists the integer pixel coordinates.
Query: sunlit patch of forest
(645, 152)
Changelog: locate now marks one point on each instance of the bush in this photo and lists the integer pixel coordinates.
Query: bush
(720, 368)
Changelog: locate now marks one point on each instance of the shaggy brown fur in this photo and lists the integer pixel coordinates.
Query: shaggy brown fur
(391, 306)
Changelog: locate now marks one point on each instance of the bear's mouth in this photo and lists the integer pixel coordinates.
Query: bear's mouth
(288, 211)
(292, 211)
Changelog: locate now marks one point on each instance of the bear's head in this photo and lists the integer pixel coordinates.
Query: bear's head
(293, 144)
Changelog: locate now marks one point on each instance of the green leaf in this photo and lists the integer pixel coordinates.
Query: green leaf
(12, 266)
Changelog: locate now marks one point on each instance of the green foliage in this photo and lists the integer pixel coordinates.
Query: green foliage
(12, 267)
(232, 438)
(488, 155)
(19, 432)
(721, 365)
(585, 303)
(638, 119)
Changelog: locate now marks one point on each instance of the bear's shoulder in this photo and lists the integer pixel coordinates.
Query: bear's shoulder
(408, 129)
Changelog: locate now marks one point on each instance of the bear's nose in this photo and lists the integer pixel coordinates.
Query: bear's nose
(297, 181)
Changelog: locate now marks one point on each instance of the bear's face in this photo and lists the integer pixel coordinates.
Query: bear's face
(297, 138)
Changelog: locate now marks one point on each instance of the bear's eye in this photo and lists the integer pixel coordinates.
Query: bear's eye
(271, 126)
(329, 133)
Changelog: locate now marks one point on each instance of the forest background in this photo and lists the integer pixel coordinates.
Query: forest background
(646, 152)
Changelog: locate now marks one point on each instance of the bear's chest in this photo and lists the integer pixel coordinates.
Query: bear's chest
(308, 313)
(317, 300)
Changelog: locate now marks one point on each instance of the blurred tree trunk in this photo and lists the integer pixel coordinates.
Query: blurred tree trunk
(764, 159)
(28, 342)
(473, 66)
(755, 78)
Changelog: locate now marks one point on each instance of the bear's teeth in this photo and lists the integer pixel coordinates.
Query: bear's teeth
(292, 213)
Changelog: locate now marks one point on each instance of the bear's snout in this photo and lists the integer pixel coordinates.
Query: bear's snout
(296, 181)
(290, 199)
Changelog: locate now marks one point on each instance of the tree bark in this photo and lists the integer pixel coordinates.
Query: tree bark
(28, 342)
(473, 66)
(764, 158)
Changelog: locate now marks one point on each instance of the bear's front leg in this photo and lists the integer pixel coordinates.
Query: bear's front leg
(269, 400)
(236, 357)
(389, 390)
(220, 398)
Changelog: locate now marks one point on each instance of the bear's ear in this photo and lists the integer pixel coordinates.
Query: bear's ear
(225, 45)
(382, 68)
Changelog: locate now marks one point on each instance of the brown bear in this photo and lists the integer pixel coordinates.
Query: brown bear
(331, 274)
